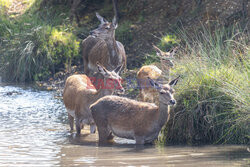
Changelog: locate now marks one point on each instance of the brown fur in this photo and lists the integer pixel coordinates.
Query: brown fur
(102, 47)
(79, 93)
(132, 119)
(148, 94)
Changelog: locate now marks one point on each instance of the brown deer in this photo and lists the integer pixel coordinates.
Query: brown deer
(132, 119)
(148, 94)
(79, 93)
(166, 59)
(102, 47)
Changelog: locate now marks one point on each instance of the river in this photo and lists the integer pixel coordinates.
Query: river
(34, 132)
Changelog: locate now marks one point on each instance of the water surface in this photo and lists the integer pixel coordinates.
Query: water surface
(34, 132)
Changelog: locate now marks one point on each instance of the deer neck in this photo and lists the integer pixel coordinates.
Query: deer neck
(101, 92)
(113, 51)
(164, 114)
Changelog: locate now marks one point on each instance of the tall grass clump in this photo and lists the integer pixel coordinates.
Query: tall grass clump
(33, 48)
(213, 95)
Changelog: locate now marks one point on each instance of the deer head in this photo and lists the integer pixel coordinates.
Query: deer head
(166, 91)
(166, 57)
(111, 76)
(105, 29)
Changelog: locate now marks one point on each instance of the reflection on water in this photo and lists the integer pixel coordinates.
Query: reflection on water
(34, 133)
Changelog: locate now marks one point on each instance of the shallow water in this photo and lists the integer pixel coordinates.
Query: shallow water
(34, 132)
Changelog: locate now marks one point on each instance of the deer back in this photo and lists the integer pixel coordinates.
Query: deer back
(76, 87)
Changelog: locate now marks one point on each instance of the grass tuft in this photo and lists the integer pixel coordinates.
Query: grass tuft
(213, 94)
(36, 44)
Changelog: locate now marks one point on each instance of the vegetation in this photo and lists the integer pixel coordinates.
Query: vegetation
(213, 94)
(36, 45)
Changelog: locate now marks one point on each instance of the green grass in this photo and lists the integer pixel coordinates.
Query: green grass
(213, 94)
(5, 3)
(37, 44)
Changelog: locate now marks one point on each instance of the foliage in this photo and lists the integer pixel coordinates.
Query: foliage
(168, 41)
(22, 57)
(213, 94)
(5, 3)
(32, 48)
(62, 48)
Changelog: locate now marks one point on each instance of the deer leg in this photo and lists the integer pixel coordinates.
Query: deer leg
(81, 126)
(103, 133)
(71, 122)
(78, 126)
(92, 128)
(110, 136)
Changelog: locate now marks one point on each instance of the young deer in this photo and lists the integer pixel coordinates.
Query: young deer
(132, 119)
(166, 58)
(102, 47)
(148, 94)
(79, 93)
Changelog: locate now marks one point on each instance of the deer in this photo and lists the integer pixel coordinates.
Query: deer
(131, 119)
(166, 58)
(101, 46)
(148, 94)
(79, 93)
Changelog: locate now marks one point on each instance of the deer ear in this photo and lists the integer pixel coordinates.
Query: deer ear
(118, 69)
(172, 53)
(114, 22)
(100, 18)
(174, 81)
(101, 69)
(154, 83)
(158, 54)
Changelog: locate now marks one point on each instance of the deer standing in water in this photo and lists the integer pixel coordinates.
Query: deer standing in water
(132, 119)
(102, 47)
(149, 94)
(79, 93)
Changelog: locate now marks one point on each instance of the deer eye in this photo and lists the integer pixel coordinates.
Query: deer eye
(162, 92)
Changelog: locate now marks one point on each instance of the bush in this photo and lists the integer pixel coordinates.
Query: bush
(213, 94)
(32, 49)
(62, 48)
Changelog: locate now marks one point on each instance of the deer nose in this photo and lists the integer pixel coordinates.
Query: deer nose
(172, 102)
(121, 91)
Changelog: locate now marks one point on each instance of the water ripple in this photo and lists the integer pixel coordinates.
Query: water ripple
(27, 117)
